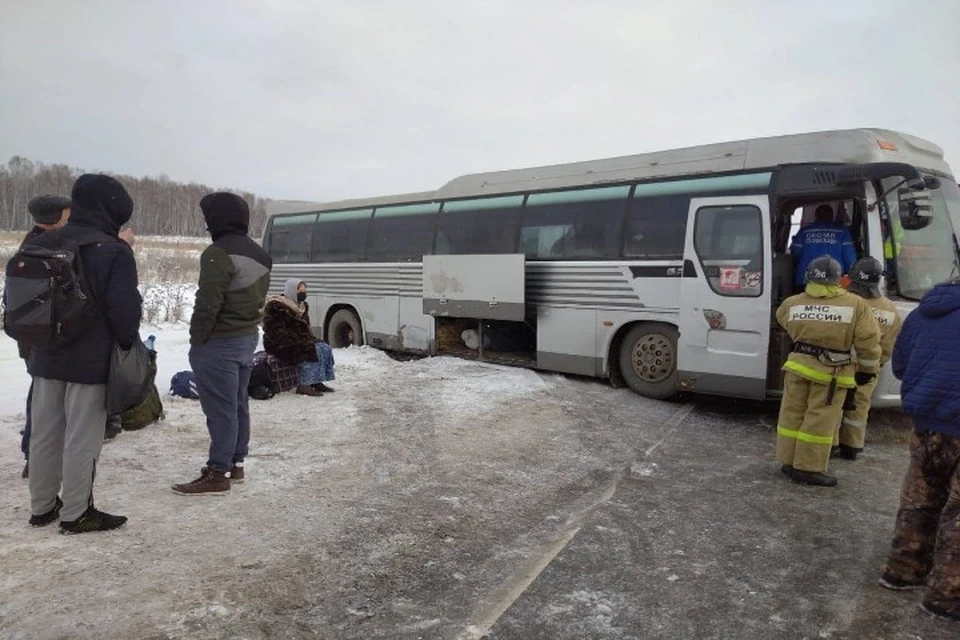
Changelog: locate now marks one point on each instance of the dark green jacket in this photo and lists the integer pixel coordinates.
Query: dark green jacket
(234, 277)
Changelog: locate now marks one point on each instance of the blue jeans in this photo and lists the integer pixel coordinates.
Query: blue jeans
(322, 369)
(222, 367)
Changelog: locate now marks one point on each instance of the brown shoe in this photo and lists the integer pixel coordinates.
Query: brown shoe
(307, 390)
(322, 388)
(210, 482)
(236, 472)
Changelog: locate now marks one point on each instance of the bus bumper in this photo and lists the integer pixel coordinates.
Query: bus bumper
(887, 392)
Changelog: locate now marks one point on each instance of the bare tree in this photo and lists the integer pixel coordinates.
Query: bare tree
(162, 206)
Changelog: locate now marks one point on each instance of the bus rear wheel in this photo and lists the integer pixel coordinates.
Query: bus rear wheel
(345, 329)
(648, 360)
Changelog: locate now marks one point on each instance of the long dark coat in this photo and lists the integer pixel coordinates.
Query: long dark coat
(286, 332)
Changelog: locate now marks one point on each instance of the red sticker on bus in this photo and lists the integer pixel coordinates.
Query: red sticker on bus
(730, 277)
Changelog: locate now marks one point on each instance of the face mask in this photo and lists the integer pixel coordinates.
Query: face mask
(301, 296)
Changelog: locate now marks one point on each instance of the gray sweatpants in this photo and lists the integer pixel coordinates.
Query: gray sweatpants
(68, 427)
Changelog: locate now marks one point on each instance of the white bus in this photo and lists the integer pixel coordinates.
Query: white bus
(661, 271)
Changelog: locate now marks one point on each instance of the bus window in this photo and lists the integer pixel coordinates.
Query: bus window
(341, 236)
(573, 224)
(485, 225)
(403, 232)
(656, 228)
(729, 243)
(290, 238)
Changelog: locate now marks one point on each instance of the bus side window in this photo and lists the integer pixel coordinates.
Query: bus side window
(582, 223)
(484, 226)
(656, 227)
(290, 238)
(341, 235)
(403, 232)
(729, 243)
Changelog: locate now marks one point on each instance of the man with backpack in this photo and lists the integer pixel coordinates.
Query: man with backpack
(224, 332)
(48, 213)
(92, 303)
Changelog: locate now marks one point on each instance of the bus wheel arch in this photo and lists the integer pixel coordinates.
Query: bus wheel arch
(643, 356)
(343, 327)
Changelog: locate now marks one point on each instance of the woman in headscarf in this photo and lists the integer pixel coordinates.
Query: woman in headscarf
(287, 336)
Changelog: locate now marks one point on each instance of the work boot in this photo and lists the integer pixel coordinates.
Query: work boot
(307, 390)
(236, 472)
(322, 388)
(49, 517)
(937, 612)
(835, 451)
(816, 479)
(211, 482)
(787, 470)
(893, 583)
(849, 453)
(92, 520)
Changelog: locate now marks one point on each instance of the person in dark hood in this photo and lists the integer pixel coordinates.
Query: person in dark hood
(69, 382)
(926, 542)
(224, 332)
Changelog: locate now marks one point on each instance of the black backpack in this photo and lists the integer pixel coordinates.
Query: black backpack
(47, 302)
(260, 386)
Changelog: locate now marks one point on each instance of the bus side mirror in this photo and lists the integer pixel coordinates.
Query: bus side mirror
(915, 208)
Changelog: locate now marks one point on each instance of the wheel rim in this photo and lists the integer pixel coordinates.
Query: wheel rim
(653, 358)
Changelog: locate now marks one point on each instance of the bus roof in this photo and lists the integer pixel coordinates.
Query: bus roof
(847, 146)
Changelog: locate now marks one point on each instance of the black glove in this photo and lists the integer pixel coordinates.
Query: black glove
(849, 404)
(862, 377)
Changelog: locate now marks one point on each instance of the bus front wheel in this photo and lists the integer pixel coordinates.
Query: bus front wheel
(648, 360)
(345, 329)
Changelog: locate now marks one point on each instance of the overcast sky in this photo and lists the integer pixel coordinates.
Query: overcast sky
(323, 100)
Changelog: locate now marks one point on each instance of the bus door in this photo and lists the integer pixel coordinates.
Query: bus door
(725, 297)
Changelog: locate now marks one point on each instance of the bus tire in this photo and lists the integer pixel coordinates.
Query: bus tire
(648, 360)
(344, 330)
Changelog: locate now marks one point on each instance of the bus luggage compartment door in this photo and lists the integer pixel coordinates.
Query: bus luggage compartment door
(487, 287)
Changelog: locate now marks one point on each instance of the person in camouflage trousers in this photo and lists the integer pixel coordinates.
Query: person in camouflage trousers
(925, 553)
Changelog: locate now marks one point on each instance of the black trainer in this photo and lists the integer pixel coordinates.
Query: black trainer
(92, 520)
(49, 517)
(815, 479)
(888, 581)
(937, 612)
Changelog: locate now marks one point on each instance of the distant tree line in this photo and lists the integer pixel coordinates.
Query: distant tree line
(162, 206)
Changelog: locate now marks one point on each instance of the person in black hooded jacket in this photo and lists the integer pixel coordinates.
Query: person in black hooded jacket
(69, 394)
(224, 332)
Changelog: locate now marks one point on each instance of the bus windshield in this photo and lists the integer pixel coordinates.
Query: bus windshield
(926, 257)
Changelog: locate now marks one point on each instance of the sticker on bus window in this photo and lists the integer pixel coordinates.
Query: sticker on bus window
(730, 277)
(751, 279)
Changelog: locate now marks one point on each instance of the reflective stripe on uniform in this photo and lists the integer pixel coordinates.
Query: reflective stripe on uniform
(868, 363)
(818, 376)
(804, 437)
(856, 424)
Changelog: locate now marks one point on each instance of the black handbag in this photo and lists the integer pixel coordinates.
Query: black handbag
(132, 373)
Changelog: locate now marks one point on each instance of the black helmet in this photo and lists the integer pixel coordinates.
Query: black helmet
(865, 275)
(823, 270)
